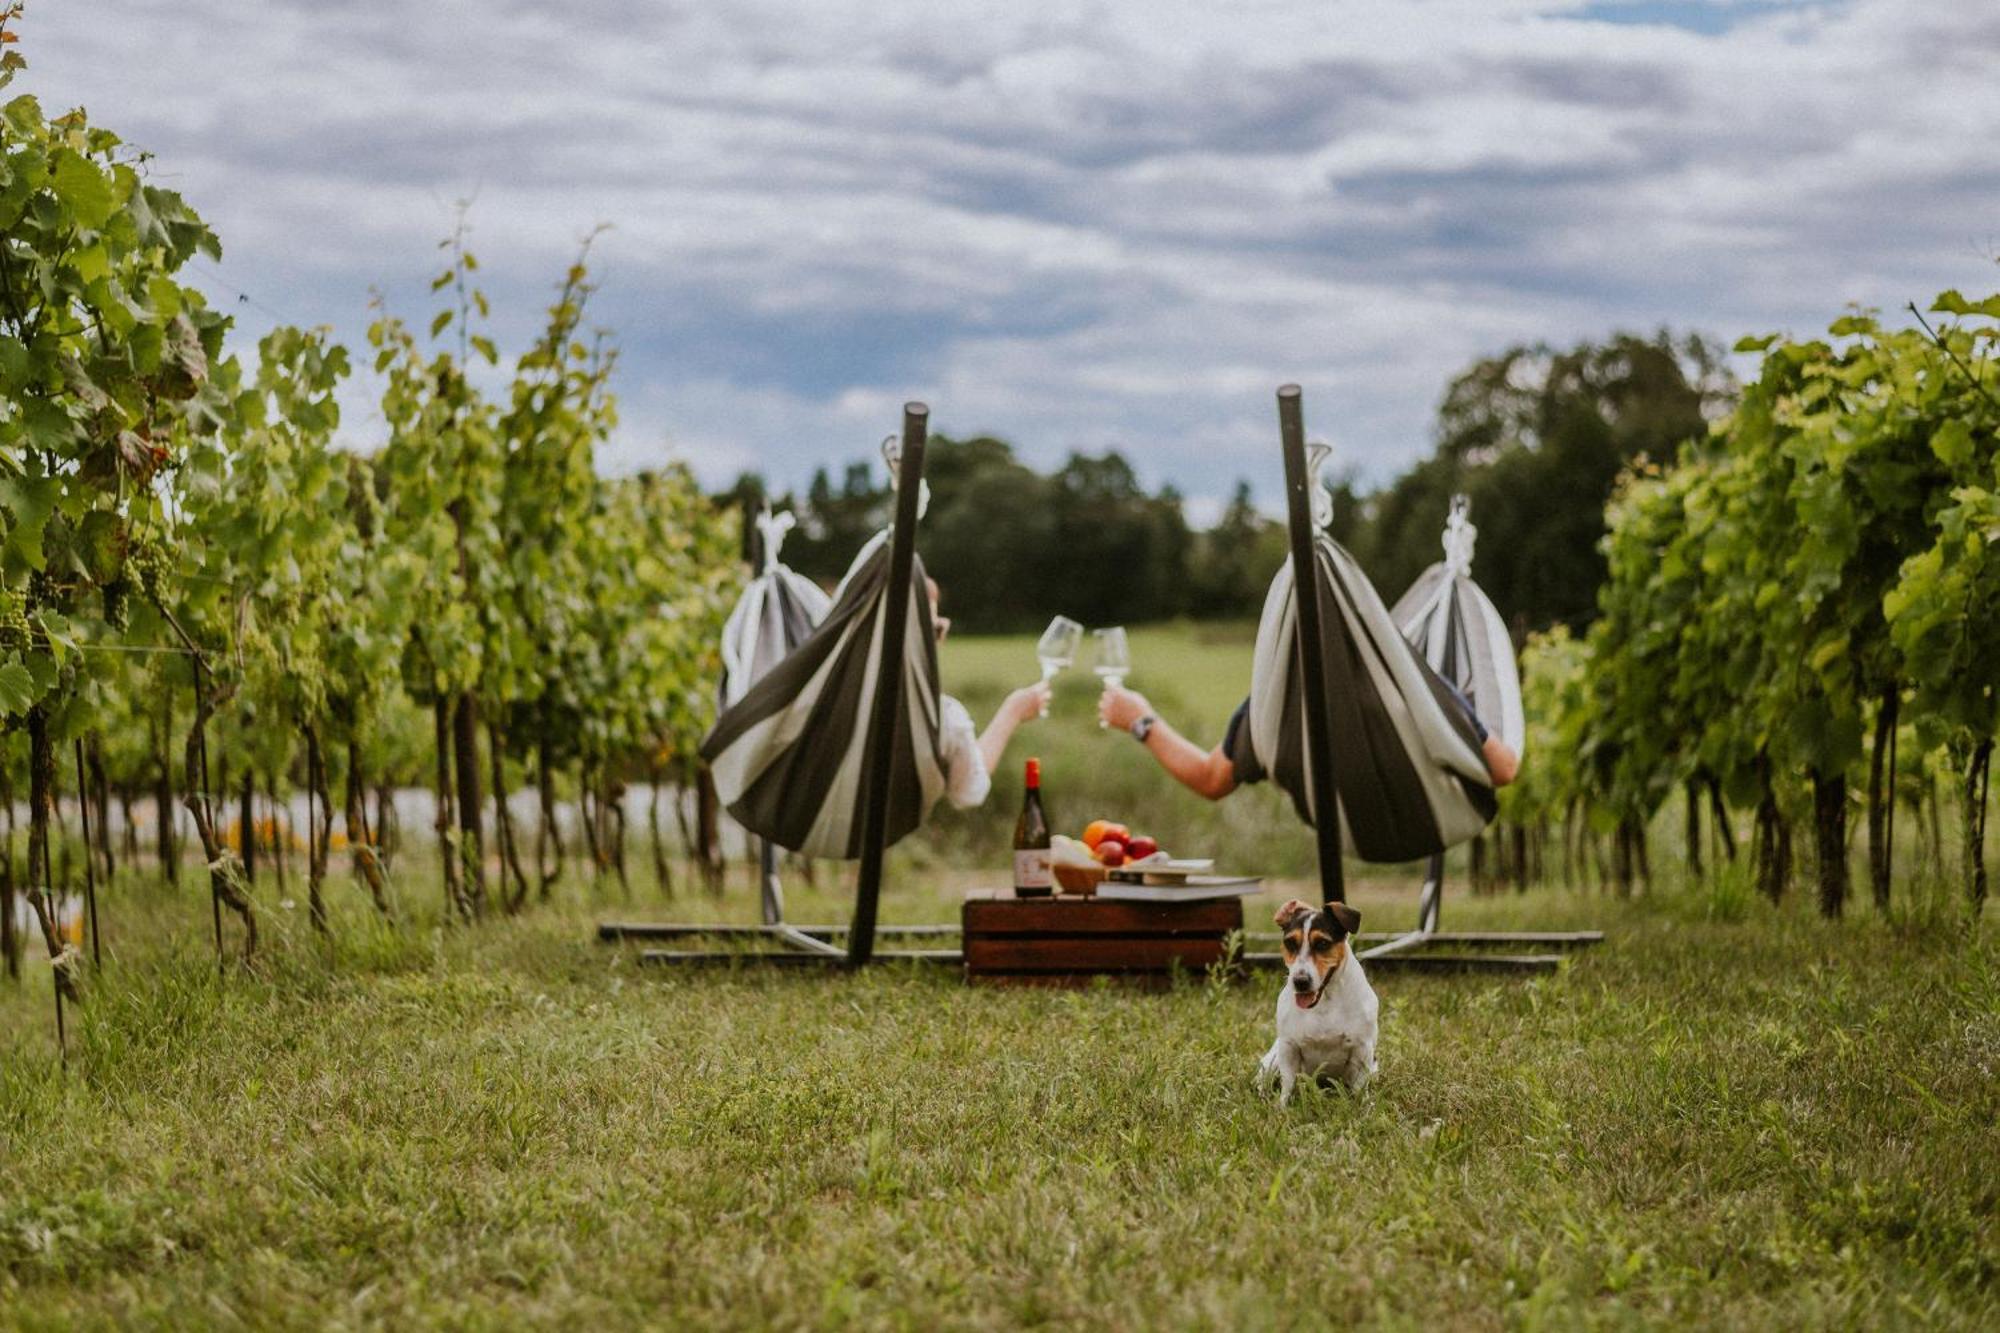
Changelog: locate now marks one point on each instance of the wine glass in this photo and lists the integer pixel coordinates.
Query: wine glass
(1114, 658)
(1057, 648)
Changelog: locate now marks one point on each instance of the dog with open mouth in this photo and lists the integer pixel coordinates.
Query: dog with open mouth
(1327, 1010)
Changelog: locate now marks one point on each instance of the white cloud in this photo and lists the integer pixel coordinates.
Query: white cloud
(1119, 224)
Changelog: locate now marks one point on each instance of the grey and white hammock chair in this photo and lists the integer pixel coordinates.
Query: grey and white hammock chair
(778, 611)
(1342, 699)
(789, 756)
(1454, 624)
(1408, 770)
(828, 742)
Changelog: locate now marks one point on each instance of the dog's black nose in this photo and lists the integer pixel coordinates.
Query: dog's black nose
(1302, 983)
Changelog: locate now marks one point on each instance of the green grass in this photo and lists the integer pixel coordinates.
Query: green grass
(1743, 1118)
(1728, 1115)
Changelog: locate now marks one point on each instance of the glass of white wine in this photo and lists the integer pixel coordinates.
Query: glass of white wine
(1114, 658)
(1057, 648)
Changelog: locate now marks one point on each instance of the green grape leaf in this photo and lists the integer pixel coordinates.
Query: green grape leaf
(18, 692)
(1952, 442)
(83, 186)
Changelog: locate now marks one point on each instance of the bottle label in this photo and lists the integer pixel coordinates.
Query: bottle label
(1032, 871)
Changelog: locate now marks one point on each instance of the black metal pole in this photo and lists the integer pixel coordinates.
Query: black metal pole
(1311, 663)
(767, 852)
(880, 759)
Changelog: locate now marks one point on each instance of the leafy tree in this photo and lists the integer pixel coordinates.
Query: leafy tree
(279, 537)
(993, 574)
(1536, 437)
(441, 472)
(1235, 560)
(105, 381)
(559, 411)
(1943, 608)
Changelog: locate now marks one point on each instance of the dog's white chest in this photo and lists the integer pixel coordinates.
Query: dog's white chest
(1326, 1041)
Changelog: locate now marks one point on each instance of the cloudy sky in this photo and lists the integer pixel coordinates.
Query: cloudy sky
(1096, 224)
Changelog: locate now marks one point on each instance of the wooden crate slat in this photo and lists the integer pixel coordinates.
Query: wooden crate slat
(1073, 980)
(1102, 953)
(1060, 916)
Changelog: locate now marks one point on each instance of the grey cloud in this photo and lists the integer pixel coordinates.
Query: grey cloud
(1115, 224)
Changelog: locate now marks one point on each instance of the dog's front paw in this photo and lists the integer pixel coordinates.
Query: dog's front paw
(1267, 1073)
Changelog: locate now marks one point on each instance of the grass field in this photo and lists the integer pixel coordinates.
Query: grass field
(1728, 1115)
(1759, 1123)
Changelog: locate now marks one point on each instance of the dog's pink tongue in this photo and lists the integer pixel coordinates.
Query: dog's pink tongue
(1304, 1001)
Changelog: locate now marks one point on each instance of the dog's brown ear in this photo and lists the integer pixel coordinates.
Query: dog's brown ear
(1349, 919)
(1290, 912)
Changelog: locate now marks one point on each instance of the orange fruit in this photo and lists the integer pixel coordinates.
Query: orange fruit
(1099, 830)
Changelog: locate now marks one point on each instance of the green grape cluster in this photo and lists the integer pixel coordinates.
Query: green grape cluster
(146, 566)
(43, 590)
(118, 603)
(15, 632)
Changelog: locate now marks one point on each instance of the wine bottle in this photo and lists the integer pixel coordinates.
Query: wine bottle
(1033, 875)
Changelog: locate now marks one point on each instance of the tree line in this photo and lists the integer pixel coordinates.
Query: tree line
(1536, 436)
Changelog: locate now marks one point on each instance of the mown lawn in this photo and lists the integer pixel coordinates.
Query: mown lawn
(1725, 1116)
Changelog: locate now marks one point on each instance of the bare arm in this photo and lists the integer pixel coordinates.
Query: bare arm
(1501, 761)
(1207, 773)
(1022, 705)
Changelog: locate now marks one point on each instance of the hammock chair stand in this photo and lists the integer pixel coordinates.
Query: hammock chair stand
(815, 946)
(1409, 950)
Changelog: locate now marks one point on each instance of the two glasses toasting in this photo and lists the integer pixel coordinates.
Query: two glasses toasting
(1059, 642)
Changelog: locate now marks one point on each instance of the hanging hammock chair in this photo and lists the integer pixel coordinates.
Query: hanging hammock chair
(1451, 621)
(777, 612)
(828, 739)
(790, 754)
(1340, 699)
(1405, 758)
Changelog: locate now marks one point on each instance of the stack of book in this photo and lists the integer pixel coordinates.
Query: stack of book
(1184, 881)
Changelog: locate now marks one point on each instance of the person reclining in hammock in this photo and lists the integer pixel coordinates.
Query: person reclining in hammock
(1218, 772)
(969, 760)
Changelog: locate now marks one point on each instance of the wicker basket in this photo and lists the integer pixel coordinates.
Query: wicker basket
(1080, 880)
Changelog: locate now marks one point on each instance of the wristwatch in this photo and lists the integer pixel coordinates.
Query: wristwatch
(1143, 728)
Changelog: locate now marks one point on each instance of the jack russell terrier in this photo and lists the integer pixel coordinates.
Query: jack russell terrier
(1326, 1011)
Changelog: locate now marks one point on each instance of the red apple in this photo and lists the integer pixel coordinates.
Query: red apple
(1140, 848)
(1111, 852)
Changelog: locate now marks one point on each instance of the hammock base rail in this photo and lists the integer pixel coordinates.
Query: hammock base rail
(614, 931)
(717, 958)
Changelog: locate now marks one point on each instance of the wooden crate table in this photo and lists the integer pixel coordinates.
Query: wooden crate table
(1065, 941)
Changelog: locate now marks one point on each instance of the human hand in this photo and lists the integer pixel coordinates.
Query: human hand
(1119, 707)
(1028, 703)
